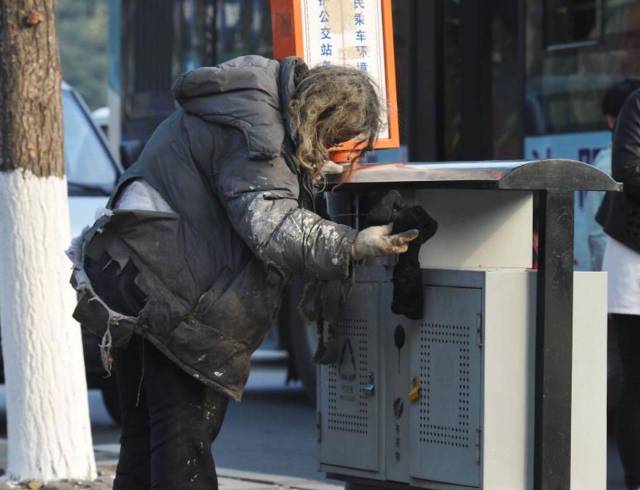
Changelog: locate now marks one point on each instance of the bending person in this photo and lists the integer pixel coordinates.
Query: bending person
(182, 276)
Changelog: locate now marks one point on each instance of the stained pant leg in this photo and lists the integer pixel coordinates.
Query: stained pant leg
(628, 413)
(185, 417)
(117, 288)
(132, 472)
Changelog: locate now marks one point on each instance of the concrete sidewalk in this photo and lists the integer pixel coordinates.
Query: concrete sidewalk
(228, 479)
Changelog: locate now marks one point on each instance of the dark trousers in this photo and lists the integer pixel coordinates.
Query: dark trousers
(628, 413)
(169, 421)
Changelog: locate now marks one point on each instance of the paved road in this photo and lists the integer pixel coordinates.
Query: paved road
(270, 433)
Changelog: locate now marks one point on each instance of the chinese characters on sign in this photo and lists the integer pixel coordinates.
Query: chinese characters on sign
(346, 32)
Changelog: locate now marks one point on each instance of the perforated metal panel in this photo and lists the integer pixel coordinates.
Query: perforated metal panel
(446, 362)
(353, 367)
(349, 403)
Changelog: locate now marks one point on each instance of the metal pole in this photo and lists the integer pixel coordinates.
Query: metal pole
(554, 323)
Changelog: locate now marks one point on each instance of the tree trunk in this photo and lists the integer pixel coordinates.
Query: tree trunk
(48, 425)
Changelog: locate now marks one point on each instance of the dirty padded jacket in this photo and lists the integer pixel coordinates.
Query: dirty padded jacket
(214, 271)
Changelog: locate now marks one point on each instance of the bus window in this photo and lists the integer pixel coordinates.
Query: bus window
(196, 33)
(481, 75)
(148, 53)
(244, 26)
(588, 46)
(568, 22)
(622, 28)
(180, 35)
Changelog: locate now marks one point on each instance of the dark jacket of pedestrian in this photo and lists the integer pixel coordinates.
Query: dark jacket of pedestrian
(620, 211)
(212, 272)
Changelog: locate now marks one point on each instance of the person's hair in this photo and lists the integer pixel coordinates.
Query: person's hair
(616, 95)
(332, 105)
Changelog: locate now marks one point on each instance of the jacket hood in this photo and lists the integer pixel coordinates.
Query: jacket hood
(250, 93)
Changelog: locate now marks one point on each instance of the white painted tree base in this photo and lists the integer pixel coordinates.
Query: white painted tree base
(49, 432)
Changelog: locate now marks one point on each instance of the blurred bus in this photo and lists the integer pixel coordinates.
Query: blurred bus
(490, 79)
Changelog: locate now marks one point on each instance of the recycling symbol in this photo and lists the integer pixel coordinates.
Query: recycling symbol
(347, 362)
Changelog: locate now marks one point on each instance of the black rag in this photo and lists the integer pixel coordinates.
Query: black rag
(408, 297)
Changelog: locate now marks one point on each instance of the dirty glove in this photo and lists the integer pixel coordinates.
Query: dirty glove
(377, 241)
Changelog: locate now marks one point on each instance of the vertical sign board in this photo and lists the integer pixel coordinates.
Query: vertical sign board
(356, 33)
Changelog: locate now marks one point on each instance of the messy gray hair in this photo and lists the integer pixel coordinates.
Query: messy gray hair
(332, 105)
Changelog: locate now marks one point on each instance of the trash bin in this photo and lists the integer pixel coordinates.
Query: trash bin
(502, 384)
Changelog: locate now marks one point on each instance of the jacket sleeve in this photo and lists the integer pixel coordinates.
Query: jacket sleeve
(625, 163)
(261, 200)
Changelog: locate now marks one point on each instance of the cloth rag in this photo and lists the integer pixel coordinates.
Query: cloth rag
(408, 297)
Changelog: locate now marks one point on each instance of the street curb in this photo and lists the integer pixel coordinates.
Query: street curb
(281, 481)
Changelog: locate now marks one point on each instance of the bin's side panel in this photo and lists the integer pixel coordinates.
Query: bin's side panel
(509, 367)
(446, 360)
(589, 385)
(349, 403)
(509, 371)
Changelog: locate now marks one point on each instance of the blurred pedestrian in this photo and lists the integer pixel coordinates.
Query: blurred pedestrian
(620, 217)
(613, 100)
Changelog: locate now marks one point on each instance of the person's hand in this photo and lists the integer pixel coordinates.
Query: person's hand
(377, 241)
